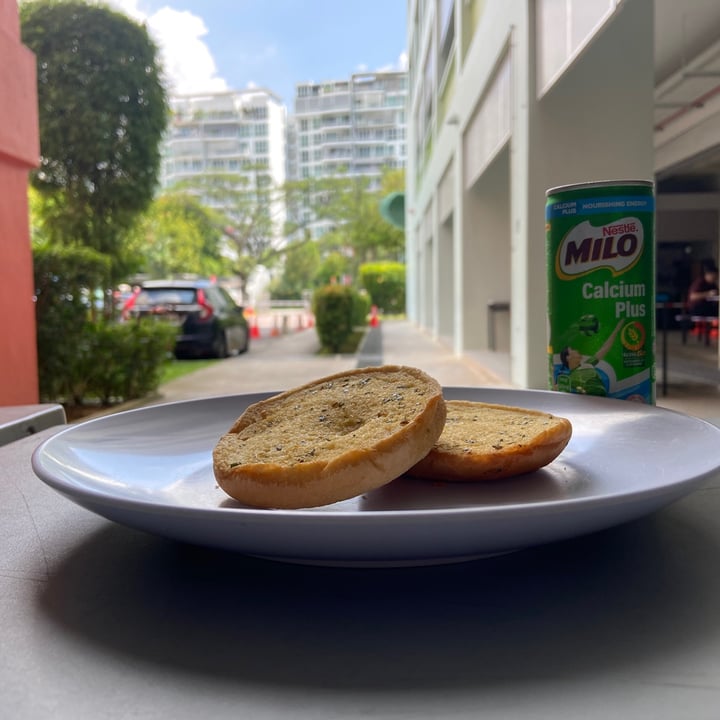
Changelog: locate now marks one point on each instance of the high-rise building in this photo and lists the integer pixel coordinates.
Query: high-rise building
(226, 132)
(240, 132)
(230, 133)
(352, 127)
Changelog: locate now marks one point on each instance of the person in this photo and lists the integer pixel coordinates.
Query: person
(581, 372)
(703, 291)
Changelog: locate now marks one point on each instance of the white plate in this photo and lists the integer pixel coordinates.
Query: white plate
(151, 469)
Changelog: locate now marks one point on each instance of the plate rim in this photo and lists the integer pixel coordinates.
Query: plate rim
(559, 505)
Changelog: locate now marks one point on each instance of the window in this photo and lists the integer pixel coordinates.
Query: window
(447, 34)
(563, 28)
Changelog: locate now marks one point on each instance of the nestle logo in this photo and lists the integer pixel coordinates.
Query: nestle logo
(585, 248)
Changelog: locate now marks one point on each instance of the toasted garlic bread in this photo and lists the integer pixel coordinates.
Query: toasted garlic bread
(482, 441)
(331, 439)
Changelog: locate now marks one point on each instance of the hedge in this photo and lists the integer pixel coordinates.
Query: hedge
(385, 282)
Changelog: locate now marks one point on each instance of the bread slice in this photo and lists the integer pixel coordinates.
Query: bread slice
(332, 439)
(482, 441)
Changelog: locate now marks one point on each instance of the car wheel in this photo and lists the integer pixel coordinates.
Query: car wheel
(220, 347)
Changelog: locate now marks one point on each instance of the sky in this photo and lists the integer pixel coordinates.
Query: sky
(212, 45)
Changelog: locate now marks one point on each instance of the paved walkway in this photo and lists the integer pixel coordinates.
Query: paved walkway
(281, 362)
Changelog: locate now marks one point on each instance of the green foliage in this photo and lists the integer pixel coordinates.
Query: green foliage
(338, 309)
(63, 279)
(361, 308)
(333, 268)
(352, 209)
(385, 281)
(178, 234)
(81, 358)
(300, 269)
(103, 110)
(123, 361)
(244, 204)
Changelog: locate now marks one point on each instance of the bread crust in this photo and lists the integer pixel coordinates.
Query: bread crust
(482, 441)
(330, 439)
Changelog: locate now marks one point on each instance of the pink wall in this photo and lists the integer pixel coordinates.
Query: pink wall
(19, 152)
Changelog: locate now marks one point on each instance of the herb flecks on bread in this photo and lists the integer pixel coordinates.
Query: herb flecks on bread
(482, 441)
(331, 439)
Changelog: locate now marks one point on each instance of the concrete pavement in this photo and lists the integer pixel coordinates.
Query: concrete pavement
(284, 361)
(280, 362)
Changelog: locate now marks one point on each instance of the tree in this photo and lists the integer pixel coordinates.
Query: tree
(367, 232)
(178, 234)
(335, 266)
(300, 270)
(250, 212)
(103, 109)
(349, 206)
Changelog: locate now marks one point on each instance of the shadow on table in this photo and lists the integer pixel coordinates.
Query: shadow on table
(567, 609)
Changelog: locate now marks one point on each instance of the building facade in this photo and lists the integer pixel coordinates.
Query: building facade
(353, 127)
(230, 133)
(19, 154)
(506, 100)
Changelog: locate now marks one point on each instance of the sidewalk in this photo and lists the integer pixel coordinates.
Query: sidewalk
(279, 363)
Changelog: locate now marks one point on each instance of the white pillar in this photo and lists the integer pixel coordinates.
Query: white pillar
(594, 123)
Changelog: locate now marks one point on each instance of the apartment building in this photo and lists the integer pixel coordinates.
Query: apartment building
(355, 127)
(508, 99)
(240, 132)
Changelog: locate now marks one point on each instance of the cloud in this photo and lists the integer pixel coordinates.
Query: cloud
(400, 65)
(188, 63)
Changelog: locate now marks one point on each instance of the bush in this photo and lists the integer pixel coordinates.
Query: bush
(338, 311)
(82, 359)
(385, 281)
(124, 361)
(361, 308)
(62, 279)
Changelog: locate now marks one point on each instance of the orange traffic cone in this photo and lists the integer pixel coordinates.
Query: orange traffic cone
(374, 320)
(254, 329)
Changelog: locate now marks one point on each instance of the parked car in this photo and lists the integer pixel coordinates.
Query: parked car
(210, 322)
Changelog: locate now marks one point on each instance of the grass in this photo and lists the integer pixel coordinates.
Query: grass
(179, 368)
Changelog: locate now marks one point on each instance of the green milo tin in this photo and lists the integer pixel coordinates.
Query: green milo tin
(600, 248)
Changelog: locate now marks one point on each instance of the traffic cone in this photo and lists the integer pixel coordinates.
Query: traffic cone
(374, 320)
(254, 329)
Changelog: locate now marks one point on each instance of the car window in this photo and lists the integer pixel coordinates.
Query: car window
(166, 296)
(227, 299)
(215, 297)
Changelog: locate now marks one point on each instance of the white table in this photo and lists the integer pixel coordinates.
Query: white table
(100, 621)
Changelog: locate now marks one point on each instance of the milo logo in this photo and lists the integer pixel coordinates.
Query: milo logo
(586, 247)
